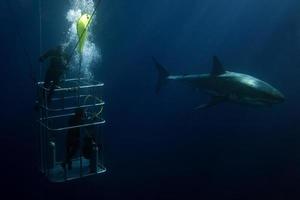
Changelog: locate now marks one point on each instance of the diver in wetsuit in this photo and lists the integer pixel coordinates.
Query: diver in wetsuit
(58, 60)
(90, 147)
(72, 144)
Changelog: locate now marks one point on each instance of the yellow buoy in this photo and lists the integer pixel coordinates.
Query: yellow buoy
(82, 28)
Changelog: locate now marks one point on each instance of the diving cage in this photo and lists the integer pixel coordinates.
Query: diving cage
(54, 127)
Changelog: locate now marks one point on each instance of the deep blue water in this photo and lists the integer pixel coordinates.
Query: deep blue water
(159, 147)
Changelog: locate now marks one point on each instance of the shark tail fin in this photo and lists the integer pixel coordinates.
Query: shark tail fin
(162, 75)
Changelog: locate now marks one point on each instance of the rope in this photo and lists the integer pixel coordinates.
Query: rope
(40, 37)
(85, 29)
(78, 85)
(19, 35)
(18, 32)
(76, 46)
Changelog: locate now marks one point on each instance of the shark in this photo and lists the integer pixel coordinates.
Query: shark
(224, 86)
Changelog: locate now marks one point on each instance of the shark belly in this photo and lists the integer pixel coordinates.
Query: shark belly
(224, 85)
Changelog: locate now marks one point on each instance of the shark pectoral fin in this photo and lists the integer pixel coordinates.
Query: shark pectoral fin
(213, 101)
(202, 106)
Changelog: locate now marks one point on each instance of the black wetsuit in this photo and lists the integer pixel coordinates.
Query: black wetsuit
(88, 142)
(72, 144)
(89, 147)
(57, 67)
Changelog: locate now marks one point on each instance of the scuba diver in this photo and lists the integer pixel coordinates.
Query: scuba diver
(90, 148)
(72, 143)
(58, 60)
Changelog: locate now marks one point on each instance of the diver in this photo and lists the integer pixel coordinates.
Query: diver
(58, 60)
(90, 148)
(72, 143)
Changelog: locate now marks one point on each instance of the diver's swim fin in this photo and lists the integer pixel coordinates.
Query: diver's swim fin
(162, 75)
(213, 101)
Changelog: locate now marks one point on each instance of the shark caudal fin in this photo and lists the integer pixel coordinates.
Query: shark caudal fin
(162, 75)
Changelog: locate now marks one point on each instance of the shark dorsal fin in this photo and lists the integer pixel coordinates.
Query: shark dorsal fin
(218, 68)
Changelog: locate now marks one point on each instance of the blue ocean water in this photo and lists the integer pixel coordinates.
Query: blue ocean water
(158, 146)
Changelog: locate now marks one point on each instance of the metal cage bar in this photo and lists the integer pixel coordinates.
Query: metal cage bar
(53, 118)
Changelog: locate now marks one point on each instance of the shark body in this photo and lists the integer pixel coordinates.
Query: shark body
(224, 85)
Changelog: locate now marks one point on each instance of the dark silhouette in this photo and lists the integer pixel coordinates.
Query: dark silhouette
(57, 66)
(87, 146)
(72, 144)
(90, 148)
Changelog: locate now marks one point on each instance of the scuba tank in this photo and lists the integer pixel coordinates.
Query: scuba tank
(94, 158)
(51, 154)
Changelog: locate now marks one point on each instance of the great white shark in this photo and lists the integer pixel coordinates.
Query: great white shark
(224, 86)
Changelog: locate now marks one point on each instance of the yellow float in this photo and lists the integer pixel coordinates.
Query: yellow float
(82, 28)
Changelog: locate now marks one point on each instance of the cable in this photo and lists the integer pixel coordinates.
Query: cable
(40, 36)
